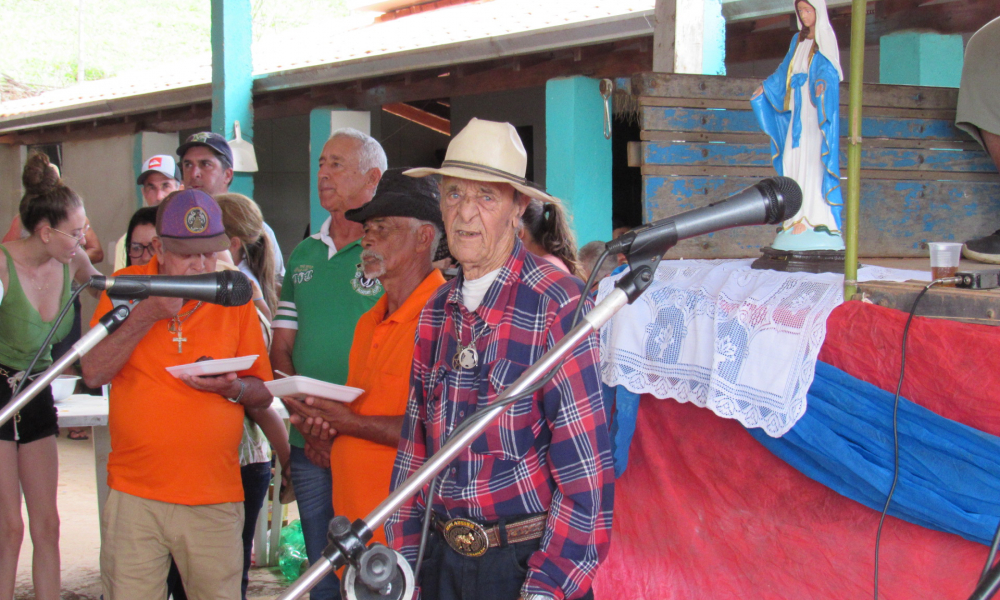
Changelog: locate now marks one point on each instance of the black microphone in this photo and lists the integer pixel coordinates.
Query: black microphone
(228, 288)
(770, 201)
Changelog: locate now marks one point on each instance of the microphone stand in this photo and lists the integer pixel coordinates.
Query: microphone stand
(348, 541)
(107, 325)
(988, 585)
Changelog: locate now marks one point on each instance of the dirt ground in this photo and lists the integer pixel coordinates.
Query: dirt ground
(80, 541)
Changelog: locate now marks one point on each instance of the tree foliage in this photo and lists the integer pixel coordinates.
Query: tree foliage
(39, 45)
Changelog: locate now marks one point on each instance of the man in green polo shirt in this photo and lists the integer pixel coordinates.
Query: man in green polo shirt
(324, 294)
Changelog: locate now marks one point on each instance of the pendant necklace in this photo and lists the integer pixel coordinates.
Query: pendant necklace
(466, 357)
(32, 280)
(176, 326)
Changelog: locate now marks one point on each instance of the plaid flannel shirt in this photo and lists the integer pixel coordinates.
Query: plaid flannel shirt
(550, 452)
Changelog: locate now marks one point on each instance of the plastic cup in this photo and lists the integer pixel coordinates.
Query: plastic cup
(944, 259)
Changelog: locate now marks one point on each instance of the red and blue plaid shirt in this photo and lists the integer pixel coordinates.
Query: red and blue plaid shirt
(550, 452)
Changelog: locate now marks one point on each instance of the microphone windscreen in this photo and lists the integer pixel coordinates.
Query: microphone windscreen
(234, 289)
(790, 191)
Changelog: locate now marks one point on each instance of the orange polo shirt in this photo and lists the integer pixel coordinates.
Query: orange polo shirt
(379, 363)
(171, 442)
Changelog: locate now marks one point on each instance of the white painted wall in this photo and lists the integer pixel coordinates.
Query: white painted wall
(101, 172)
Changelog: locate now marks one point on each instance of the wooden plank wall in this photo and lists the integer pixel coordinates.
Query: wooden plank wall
(922, 178)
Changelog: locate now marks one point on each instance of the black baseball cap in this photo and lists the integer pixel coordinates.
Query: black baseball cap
(210, 139)
(400, 196)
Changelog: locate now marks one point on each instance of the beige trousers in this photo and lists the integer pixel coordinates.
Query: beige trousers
(139, 536)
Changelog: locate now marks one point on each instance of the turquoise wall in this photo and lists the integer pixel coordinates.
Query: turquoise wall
(921, 58)
(319, 132)
(578, 157)
(137, 160)
(713, 58)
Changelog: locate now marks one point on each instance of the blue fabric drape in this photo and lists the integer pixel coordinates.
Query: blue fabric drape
(949, 477)
(626, 412)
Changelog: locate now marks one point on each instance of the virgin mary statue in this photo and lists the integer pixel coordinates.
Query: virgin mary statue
(798, 107)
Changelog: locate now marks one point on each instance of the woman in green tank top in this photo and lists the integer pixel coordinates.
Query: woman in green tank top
(35, 275)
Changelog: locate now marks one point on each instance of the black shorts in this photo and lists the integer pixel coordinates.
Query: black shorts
(36, 420)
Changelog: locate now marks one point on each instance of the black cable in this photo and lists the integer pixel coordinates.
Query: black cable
(586, 287)
(425, 528)
(895, 425)
(48, 338)
(991, 557)
(478, 415)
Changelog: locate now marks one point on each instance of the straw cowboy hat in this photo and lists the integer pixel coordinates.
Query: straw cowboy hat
(487, 151)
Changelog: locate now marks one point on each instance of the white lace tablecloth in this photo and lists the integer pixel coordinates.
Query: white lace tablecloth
(740, 342)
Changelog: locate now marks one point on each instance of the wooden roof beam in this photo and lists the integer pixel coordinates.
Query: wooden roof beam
(420, 117)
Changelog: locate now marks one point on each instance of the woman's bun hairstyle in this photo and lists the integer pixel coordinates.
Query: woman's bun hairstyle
(46, 197)
(40, 177)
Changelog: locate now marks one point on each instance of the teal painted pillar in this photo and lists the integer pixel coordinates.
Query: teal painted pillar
(921, 58)
(232, 77)
(578, 157)
(320, 129)
(323, 121)
(713, 57)
(137, 159)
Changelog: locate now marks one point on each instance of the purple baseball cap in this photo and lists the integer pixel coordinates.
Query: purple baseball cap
(190, 222)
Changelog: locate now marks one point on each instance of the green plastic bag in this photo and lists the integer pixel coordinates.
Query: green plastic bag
(292, 551)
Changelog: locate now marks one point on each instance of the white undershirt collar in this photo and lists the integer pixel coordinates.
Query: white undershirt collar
(474, 290)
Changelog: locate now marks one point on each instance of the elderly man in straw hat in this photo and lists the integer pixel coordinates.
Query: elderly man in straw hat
(525, 512)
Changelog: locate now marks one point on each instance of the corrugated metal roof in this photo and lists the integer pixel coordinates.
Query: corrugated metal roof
(299, 57)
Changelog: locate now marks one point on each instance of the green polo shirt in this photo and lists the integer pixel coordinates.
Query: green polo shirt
(323, 296)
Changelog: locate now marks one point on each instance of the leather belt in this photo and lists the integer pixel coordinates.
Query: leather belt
(469, 538)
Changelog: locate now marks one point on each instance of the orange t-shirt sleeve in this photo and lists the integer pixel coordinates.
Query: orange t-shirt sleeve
(104, 302)
(103, 306)
(252, 342)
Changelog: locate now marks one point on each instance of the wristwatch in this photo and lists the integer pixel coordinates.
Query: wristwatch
(243, 388)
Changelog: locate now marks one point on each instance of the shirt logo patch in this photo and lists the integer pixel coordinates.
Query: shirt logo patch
(196, 220)
(363, 285)
(302, 274)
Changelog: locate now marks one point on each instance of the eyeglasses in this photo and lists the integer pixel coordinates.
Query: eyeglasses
(380, 230)
(136, 250)
(78, 238)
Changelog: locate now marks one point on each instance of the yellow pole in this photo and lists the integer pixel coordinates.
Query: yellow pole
(853, 200)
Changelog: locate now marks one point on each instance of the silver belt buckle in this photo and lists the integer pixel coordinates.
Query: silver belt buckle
(466, 537)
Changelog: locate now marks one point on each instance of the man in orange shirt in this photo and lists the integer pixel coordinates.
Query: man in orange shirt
(403, 230)
(174, 469)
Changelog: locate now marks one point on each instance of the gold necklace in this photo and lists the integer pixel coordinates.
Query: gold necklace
(176, 326)
(31, 280)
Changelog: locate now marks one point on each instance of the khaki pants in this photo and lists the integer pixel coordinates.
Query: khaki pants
(139, 536)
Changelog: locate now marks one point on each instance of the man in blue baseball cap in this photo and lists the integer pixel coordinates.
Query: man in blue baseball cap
(207, 165)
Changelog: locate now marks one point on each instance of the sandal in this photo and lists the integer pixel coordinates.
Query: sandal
(78, 433)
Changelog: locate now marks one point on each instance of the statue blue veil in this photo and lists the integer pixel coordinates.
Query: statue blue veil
(773, 112)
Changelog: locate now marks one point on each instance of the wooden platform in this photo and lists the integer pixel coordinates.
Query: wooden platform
(968, 306)
(922, 178)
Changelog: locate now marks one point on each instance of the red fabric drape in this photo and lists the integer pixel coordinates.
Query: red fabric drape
(704, 511)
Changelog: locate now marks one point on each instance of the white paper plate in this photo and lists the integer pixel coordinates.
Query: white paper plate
(297, 386)
(214, 367)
